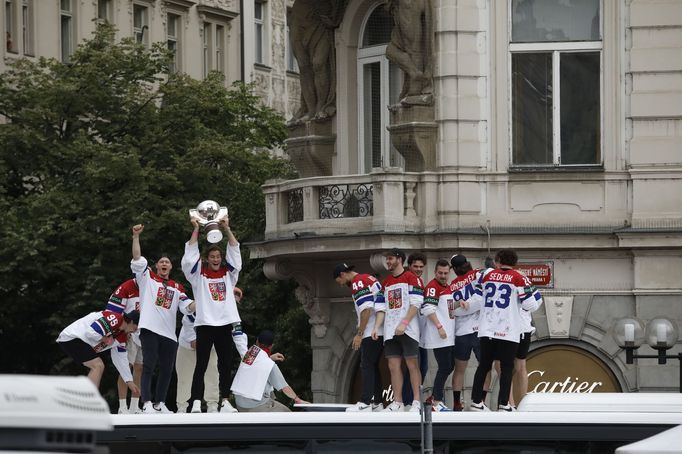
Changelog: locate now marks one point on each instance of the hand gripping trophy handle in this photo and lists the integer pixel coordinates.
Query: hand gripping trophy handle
(209, 213)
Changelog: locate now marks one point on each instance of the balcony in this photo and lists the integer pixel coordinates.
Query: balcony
(383, 201)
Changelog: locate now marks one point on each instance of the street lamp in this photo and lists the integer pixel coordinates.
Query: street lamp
(660, 333)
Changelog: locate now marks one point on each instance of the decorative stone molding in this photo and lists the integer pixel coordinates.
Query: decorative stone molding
(311, 148)
(318, 313)
(378, 262)
(558, 310)
(414, 133)
(410, 195)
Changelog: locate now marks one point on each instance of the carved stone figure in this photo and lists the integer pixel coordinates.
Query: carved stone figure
(312, 24)
(411, 44)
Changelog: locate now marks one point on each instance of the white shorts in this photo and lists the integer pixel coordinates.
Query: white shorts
(134, 352)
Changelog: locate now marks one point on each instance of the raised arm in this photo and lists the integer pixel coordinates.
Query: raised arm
(137, 230)
(233, 255)
(195, 233)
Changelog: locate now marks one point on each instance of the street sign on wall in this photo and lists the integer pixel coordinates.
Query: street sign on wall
(540, 274)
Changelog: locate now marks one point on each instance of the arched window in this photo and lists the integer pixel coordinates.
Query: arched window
(379, 83)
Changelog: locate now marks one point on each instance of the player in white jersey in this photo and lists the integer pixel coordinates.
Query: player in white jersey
(506, 292)
(160, 300)
(437, 329)
(217, 318)
(88, 337)
(416, 263)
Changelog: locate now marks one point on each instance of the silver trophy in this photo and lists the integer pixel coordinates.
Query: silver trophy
(209, 213)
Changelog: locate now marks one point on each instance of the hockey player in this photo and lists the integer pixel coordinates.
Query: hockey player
(506, 292)
(437, 329)
(257, 376)
(217, 318)
(397, 306)
(364, 289)
(468, 301)
(88, 337)
(416, 263)
(186, 360)
(160, 300)
(126, 298)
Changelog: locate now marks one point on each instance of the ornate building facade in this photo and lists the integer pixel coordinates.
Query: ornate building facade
(466, 126)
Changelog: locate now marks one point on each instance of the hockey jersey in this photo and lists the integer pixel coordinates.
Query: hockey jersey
(364, 290)
(465, 288)
(160, 300)
(437, 300)
(101, 330)
(397, 295)
(126, 298)
(213, 290)
(506, 293)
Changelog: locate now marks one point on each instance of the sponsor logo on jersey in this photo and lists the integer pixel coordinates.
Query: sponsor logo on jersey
(217, 290)
(395, 298)
(164, 297)
(250, 355)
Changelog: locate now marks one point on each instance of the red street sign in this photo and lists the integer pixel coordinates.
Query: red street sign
(540, 274)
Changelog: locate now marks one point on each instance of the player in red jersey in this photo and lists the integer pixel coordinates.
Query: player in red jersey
(364, 290)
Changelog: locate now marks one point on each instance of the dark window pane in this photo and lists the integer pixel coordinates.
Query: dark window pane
(372, 112)
(555, 20)
(378, 28)
(532, 108)
(580, 100)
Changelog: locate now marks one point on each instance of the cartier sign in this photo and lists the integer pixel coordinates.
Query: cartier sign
(568, 369)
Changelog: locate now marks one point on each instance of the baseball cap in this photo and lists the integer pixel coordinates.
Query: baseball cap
(342, 268)
(266, 337)
(395, 252)
(132, 316)
(457, 260)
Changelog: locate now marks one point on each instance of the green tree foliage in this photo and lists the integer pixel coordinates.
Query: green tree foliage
(111, 139)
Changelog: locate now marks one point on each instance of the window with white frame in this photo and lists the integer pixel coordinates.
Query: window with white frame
(207, 40)
(27, 26)
(10, 27)
(292, 63)
(67, 32)
(379, 84)
(105, 11)
(219, 48)
(556, 48)
(259, 31)
(173, 41)
(141, 24)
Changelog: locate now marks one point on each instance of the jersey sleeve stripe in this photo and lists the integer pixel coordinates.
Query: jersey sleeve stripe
(364, 299)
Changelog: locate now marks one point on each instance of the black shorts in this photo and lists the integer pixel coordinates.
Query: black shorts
(78, 350)
(401, 346)
(524, 345)
(466, 344)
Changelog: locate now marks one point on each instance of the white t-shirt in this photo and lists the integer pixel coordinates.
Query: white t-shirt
(213, 290)
(159, 300)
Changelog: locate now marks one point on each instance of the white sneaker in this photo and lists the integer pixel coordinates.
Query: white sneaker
(161, 407)
(360, 406)
(227, 407)
(148, 408)
(505, 408)
(212, 407)
(138, 411)
(440, 406)
(123, 411)
(395, 406)
(377, 407)
(416, 406)
(196, 406)
(478, 407)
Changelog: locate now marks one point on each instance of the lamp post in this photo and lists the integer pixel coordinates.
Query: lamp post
(660, 333)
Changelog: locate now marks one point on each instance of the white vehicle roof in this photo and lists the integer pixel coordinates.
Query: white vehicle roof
(603, 402)
(664, 443)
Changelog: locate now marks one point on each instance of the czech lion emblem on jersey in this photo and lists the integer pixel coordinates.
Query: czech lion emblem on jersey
(395, 298)
(217, 290)
(250, 355)
(164, 297)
